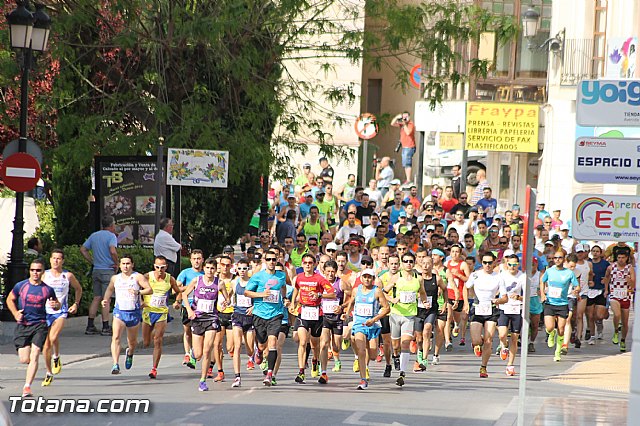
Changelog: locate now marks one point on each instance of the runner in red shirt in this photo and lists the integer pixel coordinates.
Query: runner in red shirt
(308, 290)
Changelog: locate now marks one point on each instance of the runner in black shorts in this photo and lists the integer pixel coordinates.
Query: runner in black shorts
(511, 295)
(333, 312)
(433, 286)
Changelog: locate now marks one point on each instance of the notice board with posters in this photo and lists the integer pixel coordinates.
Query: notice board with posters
(493, 126)
(126, 189)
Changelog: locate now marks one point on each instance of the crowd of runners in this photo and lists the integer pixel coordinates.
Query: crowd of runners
(378, 271)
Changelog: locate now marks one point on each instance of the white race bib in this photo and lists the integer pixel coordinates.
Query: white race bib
(512, 308)
(593, 293)
(206, 306)
(364, 309)
(407, 297)
(310, 313)
(555, 292)
(484, 308)
(126, 300)
(158, 301)
(273, 297)
(243, 301)
(425, 305)
(329, 305)
(366, 220)
(619, 293)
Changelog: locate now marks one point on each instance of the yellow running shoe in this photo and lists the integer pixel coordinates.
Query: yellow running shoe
(47, 380)
(356, 365)
(57, 365)
(346, 344)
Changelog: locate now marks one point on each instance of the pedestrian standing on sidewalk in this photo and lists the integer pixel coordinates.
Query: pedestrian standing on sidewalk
(165, 245)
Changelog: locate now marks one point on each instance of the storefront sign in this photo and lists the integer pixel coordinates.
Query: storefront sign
(608, 103)
(502, 127)
(606, 217)
(602, 160)
(197, 167)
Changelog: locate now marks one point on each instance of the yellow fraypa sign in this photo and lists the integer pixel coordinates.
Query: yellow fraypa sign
(492, 126)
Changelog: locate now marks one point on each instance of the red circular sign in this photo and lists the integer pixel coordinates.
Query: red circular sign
(415, 76)
(20, 172)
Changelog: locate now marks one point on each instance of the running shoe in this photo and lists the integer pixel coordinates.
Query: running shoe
(477, 349)
(615, 340)
(413, 347)
(264, 365)
(557, 353)
(267, 379)
(57, 365)
(462, 342)
(299, 378)
(435, 360)
(26, 392)
(448, 347)
(202, 387)
(556, 357)
(387, 371)
(510, 371)
(418, 367)
(236, 382)
(504, 354)
(92, 330)
(330, 355)
(356, 365)
(456, 331)
(186, 359)
(572, 339)
(219, 377)
(564, 350)
(273, 381)
(396, 363)
(210, 373)
(346, 344)
(153, 373)
(366, 374)
(577, 344)
(48, 378)
(337, 367)
(128, 359)
(192, 363)
(315, 370)
(363, 384)
(532, 348)
(483, 372)
(551, 340)
(250, 365)
(419, 356)
(257, 357)
(592, 340)
(623, 346)
(380, 354)
(115, 369)
(106, 331)
(400, 380)
(324, 379)
(587, 335)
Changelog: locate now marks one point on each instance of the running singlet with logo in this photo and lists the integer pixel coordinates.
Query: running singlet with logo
(157, 301)
(456, 281)
(329, 305)
(310, 289)
(205, 296)
(619, 288)
(407, 288)
(312, 230)
(60, 285)
(365, 306)
(127, 292)
(272, 305)
(431, 288)
(558, 283)
(229, 309)
(512, 284)
(242, 302)
(486, 286)
(184, 278)
(31, 299)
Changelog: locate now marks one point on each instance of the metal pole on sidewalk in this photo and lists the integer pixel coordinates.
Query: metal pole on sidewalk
(524, 337)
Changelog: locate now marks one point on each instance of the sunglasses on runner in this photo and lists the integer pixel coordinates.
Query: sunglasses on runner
(558, 257)
(487, 262)
(242, 268)
(408, 261)
(270, 259)
(35, 270)
(513, 264)
(160, 266)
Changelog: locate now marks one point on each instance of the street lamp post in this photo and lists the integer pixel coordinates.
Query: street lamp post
(29, 31)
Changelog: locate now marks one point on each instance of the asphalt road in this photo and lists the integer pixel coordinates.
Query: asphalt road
(448, 394)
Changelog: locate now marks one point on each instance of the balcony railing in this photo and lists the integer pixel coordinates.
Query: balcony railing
(579, 62)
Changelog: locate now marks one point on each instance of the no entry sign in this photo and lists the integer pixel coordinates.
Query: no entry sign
(20, 172)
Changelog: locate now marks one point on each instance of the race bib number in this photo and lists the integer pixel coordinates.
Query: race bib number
(510, 308)
(619, 293)
(484, 309)
(425, 305)
(407, 297)
(555, 292)
(593, 293)
(364, 309)
(273, 297)
(158, 301)
(329, 305)
(206, 306)
(366, 220)
(126, 300)
(311, 313)
(243, 301)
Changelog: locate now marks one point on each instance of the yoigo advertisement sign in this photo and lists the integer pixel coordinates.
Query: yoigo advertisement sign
(608, 103)
(606, 160)
(606, 217)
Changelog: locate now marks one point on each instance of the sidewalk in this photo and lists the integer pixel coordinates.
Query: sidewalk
(77, 346)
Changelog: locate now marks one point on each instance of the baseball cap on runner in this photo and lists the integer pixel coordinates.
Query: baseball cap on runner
(369, 271)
